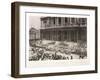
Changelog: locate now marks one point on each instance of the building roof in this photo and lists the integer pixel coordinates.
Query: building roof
(33, 30)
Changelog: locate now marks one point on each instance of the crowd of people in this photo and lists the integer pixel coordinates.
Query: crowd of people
(57, 50)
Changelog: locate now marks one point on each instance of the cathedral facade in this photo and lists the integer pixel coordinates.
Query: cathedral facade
(63, 29)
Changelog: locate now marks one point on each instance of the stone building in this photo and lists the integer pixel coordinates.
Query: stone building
(63, 29)
(34, 35)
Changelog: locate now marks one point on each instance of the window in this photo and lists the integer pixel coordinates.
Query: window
(66, 20)
(54, 20)
(72, 20)
(83, 21)
(59, 20)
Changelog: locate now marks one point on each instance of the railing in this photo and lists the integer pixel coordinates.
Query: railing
(61, 26)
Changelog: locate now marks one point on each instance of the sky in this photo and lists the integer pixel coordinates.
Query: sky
(34, 21)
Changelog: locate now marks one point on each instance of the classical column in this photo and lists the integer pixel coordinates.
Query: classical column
(77, 35)
(62, 21)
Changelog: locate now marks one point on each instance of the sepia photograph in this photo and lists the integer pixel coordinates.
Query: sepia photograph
(57, 38)
(53, 39)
